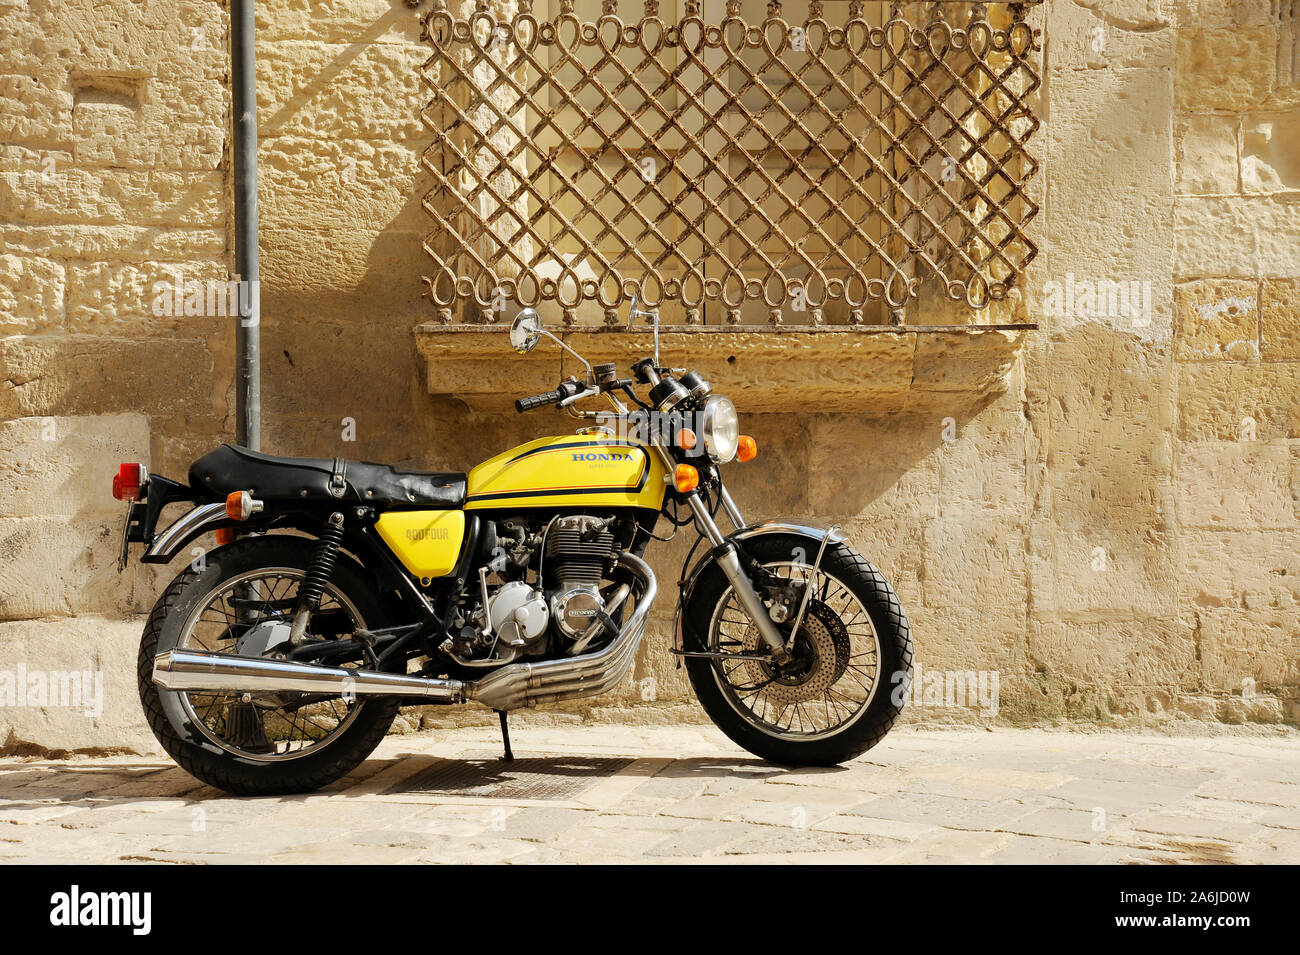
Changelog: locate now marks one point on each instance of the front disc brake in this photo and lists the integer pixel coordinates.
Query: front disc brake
(820, 657)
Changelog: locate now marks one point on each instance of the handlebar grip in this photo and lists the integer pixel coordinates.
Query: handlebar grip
(536, 401)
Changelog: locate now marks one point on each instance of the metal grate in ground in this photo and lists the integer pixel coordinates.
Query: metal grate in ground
(541, 777)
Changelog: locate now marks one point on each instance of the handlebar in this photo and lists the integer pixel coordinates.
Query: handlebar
(536, 401)
(567, 389)
(645, 371)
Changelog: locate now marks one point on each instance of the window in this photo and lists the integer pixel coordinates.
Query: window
(731, 162)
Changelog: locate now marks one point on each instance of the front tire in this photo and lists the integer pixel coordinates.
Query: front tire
(730, 690)
(237, 754)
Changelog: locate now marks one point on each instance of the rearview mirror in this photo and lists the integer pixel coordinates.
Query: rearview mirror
(633, 313)
(526, 331)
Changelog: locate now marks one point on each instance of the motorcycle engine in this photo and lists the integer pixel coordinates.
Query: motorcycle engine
(579, 552)
(523, 619)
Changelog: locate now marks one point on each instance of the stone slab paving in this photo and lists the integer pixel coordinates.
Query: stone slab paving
(688, 795)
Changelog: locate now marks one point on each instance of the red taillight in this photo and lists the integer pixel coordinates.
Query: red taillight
(128, 481)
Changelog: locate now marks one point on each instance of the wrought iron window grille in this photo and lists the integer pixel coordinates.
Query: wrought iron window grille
(808, 170)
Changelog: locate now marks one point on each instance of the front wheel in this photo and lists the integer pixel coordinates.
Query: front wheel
(834, 699)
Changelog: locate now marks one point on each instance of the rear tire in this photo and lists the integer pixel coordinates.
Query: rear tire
(892, 634)
(173, 722)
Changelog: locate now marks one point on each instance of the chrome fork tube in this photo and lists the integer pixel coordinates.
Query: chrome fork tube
(704, 520)
(729, 561)
(729, 506)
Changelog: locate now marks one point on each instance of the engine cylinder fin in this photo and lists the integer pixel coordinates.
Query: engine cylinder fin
(579, 550)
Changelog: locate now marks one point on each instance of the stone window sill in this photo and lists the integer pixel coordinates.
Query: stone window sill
(870, 370)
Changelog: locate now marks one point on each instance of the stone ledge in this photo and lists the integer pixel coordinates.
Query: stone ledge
(870, 370)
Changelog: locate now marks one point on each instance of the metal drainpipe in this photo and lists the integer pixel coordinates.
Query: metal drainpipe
(243, 82)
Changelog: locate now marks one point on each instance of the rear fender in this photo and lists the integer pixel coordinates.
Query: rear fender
(194, 523)
(142, 519)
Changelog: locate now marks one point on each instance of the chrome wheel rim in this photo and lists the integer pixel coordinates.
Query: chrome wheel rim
(269, 727)
(831, 701)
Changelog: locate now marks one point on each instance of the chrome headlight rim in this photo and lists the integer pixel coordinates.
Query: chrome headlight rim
(720, 429)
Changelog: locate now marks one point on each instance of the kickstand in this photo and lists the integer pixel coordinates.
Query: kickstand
(505, 735)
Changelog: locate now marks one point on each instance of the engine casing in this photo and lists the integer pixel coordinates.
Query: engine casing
(579, 553)
(518, 614)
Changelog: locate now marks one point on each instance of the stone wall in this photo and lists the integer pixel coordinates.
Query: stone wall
(112, 176)
(1114, 533)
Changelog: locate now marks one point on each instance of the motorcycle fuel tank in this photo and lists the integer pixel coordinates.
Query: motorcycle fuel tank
(574, 470)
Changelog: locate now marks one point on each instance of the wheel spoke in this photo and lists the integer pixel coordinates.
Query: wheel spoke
(290, 723)
(836, 631)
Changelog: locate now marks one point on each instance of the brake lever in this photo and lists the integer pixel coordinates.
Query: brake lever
(589, 391)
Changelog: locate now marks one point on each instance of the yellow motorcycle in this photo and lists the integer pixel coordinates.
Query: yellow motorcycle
(342, 590)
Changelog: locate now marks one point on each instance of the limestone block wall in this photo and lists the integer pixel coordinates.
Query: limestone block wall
(1236, 308)
(113, 177)
(113, 128)
(1114, 535)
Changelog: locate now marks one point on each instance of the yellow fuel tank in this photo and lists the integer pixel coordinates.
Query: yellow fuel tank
(569, 471)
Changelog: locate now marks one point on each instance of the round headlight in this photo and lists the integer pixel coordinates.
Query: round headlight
(721, 429)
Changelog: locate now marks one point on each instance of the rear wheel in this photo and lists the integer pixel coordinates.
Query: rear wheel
(833, 700)
(261, 743)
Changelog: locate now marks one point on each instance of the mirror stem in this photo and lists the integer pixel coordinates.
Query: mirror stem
(590, 375)
(634, 312)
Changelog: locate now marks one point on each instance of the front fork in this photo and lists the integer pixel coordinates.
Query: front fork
(728, 559)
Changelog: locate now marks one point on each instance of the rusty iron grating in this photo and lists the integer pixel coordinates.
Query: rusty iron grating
(541, 778)
(833, 165)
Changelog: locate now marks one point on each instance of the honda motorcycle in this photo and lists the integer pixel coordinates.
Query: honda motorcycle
(340, 591)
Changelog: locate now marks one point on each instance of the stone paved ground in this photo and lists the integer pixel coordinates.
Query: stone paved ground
(666, 794)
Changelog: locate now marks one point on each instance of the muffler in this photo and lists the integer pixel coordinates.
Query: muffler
(513, 686)
(216, 672)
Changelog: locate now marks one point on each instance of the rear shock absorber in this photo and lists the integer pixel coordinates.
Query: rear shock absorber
(318, 574)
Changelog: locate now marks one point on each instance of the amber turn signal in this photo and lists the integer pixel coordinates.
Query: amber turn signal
(746, 448)
(240, 506)
(686, 478)
(686, 439)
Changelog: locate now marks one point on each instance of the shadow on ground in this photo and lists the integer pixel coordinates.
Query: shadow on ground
(527, 777)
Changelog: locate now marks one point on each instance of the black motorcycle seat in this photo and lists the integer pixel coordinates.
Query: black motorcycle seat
(233, 468)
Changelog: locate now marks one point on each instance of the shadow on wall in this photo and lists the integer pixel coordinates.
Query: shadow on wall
(858, 461)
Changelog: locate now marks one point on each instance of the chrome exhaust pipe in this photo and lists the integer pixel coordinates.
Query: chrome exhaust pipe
(197, 670)
(527, 684)
(513, 686)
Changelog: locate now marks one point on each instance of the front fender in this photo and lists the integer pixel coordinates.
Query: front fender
(815, 531)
